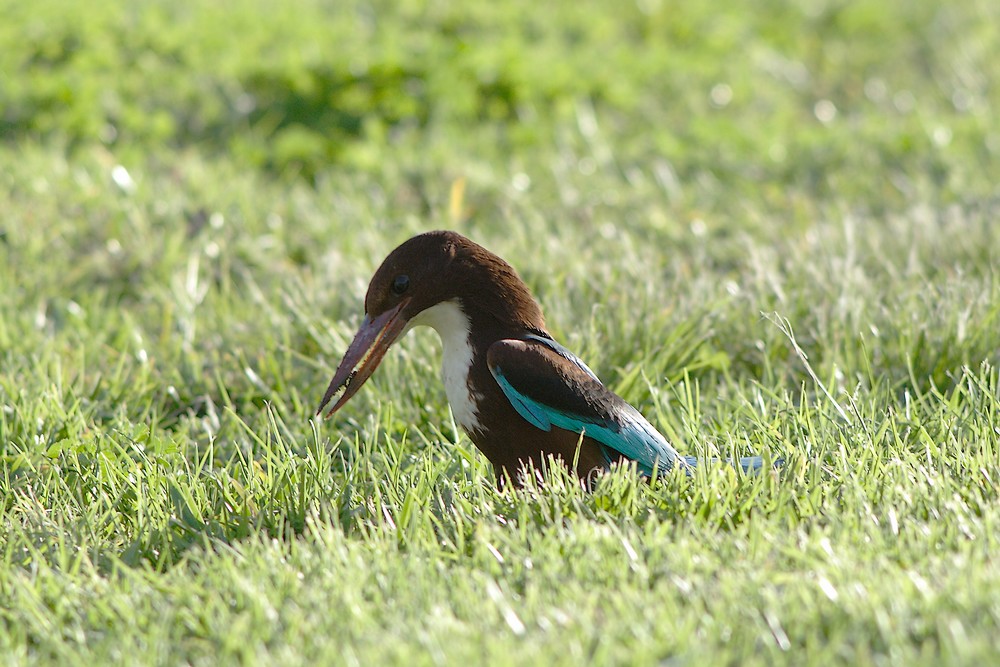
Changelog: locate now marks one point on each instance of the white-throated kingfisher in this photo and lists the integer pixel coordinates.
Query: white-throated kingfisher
(522, 397)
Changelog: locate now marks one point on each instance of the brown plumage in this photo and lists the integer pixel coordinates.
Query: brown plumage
(522, 398)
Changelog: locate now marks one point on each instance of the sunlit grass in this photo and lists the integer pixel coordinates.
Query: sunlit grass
(758, 276)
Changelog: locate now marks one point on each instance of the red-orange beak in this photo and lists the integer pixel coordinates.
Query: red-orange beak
(364, 354)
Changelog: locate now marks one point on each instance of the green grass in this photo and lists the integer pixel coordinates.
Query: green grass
(772, 227)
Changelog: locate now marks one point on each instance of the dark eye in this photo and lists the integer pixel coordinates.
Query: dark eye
(400, 284)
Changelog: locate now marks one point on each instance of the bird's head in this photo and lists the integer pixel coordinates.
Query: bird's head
(424, 271)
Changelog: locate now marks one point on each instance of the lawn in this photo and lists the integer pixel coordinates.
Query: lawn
(770, 226)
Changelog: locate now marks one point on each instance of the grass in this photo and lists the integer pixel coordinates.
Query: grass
(770, 227)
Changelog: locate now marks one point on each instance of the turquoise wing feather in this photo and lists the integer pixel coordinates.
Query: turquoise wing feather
(550, 387)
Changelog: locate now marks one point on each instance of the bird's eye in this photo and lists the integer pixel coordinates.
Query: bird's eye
(400, 284)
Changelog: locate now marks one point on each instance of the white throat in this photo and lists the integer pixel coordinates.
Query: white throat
(452, 325)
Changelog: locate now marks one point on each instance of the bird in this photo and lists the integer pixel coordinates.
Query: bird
(524, 400)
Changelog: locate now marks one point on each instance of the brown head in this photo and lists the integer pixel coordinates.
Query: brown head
(422, 272)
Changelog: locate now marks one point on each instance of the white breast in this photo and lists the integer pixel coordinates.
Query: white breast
(452, 325)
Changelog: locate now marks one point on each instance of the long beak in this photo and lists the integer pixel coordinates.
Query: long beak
(364, 354)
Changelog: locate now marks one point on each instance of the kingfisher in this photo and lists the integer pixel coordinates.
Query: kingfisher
(523, 399)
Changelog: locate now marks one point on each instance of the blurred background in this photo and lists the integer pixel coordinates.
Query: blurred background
(797, 96)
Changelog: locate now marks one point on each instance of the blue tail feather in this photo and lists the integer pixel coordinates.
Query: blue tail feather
(749, 464)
